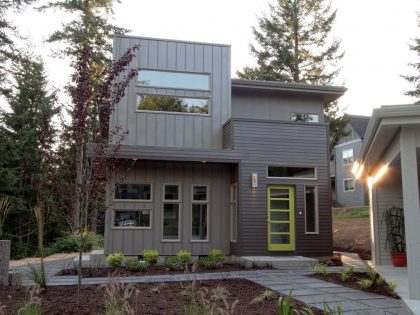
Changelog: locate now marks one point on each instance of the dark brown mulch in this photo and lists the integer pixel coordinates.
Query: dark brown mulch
(63, 299)
(88, 272)
(382, 289)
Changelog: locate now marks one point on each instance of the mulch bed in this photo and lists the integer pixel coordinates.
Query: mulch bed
(63, 299)
(382, 289)
(88, 272)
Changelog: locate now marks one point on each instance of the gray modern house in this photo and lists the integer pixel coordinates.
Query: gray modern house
(214, 162)
(346, 191)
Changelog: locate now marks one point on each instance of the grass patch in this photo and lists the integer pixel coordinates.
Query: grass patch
(351, 214)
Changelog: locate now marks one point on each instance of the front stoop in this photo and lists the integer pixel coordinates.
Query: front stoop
(285, 262)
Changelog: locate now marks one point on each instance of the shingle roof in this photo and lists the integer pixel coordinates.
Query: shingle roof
(359, 124)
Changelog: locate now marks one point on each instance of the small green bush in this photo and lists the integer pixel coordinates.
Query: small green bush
(217, 254)
(266, 295)
(70, 243)
(208, 262)
(365, 283)
(185, 256)
(114, 260)
(380, 280)
(350, 269)
(371, 272)
(392, 286)
(133, 264)
(150, 256)
(174, 263)
(321, 269)
(344, 275)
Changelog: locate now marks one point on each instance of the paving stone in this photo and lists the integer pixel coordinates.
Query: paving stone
(383, 303)
(284, 287)
(300, 292)
(305, 280)
(346, 306)
(323, 284)
(359, 295)
(339, 290)
(399, 311)
(321, 298)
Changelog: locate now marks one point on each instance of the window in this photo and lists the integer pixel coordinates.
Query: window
(233, 212)
(132, 218)
(173, 104)
(171, 217)
(348, 156)
(291, 172)
(133, 192)
(311, 209)
(199, 213)
(305, 117)
(348, 184)
(176, 80)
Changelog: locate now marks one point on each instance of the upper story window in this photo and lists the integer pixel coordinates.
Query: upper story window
(291, 172)
(175, 80)
(173, 104)
(314, 118)
(141, 192)
(348, 156)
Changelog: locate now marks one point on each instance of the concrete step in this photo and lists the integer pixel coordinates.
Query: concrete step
(284, 262)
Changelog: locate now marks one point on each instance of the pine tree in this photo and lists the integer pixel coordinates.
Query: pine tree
(294, 45)
(415, 78)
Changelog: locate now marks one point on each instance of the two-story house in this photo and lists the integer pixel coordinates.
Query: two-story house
(214, 162)
(347, 192)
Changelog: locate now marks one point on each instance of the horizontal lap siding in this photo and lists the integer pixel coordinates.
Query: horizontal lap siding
(287, 144)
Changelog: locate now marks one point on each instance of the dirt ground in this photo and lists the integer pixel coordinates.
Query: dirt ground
(352, 235)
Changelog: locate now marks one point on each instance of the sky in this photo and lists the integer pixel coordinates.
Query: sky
(375, 35)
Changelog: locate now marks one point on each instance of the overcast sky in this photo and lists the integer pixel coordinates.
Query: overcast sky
(375, 36)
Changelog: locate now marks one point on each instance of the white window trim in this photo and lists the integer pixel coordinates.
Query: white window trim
(292, 178)
(344, 185)
(113, 227)
(233, 202)
(208, 212)
(134, 200)
(352, 156)
(178, 202)
(316, 209)
(296, 113)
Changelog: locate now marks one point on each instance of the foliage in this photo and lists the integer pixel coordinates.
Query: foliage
(114, 260)
(174, 262)
(350, 269)
(118, 297)
(380, 280)
(392, 286)
(351, 214)
(133, 264)
(344, 275)
(70, 243)
(285, 305)
(333, 311)
(371, 272)
(217, 255)
(321, 269)
(414, 79)
(169, 104)
(38, 274)
(158, 288)
(208, 262)
(4, 210)
(185, 256)
(365, 283)
(32, 304)
(150, 256)
(395, 229)
(266, 295)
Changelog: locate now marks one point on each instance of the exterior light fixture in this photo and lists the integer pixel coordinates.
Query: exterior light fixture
(378, 175)
(254, 180)
(355, 168)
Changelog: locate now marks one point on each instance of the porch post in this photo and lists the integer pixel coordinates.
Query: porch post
(410, 185)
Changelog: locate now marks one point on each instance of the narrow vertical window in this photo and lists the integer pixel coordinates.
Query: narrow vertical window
(171, 216)
(311, 209)
(233, 212)
(199, 213)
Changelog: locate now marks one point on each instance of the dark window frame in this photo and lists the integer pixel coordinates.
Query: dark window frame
(174, 202)
(316, 201)
(133, 200)
(288, 177)
(200, 202)
(149, 227)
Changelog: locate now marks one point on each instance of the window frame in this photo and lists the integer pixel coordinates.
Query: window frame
(206, 202)
(301, 121)
(352, 156)
(292, 178)
(316, 209)
(131, 227)
(171, 201)
(134, 200)
(344, 184)
(232, 202)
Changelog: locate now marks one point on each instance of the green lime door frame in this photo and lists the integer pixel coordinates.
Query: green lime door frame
(281, 218)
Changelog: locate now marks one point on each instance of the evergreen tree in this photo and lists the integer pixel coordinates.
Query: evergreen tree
(294, 45)
(415, 78)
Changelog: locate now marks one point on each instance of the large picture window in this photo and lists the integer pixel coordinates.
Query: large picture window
(132, 218)
(314, 118)
(141, 192)
(233, 212)
(173, 104)
(291, 172)
(348, 156)
(311, 209)
(199, 213)
(175, 80)
(171, 215)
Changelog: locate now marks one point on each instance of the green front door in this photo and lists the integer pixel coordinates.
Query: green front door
(281, 218)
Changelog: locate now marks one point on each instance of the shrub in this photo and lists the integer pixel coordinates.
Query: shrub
(114, 260)
(208, 262)
(150, 256)
(365, 283)
(321, 269)
(392, 286)
(32, 304)
(38, 275)
(350, 269)
(133, 264)
(344, 275)
(371, 272)
(217, 254)
(380, 280)
(266, 295)
(118, 297)
(285, 305)
(185, 256)
(70, 243)
(174, 263)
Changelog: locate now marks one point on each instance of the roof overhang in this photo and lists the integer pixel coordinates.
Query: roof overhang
(326, 93)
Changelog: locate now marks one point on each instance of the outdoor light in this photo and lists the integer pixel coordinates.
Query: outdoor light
(355, 168)
(254, 180)
(359, 171)
(378, 175)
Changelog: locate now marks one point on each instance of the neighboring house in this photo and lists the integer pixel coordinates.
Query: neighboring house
(214, 162)
(389, 160)
(346, 191)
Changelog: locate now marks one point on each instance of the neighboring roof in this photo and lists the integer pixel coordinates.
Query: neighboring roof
(359, 124)
(327, 93)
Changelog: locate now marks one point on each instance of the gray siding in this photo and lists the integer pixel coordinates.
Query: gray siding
(175, 129)
(132, 242)
(273, 107)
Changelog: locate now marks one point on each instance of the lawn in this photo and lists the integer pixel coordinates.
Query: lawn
(351, 213)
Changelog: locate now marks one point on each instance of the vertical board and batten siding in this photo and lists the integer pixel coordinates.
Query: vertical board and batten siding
(133, 241)
(265, 143)
(175, 129)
